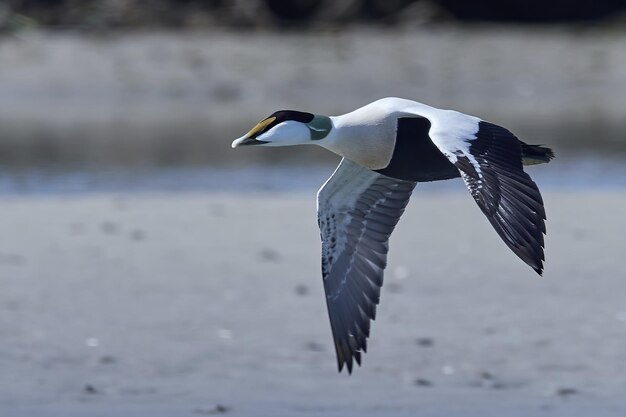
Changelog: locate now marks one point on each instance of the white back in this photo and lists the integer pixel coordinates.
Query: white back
(367, 135)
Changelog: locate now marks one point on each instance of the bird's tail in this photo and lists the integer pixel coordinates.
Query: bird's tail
(535, 154)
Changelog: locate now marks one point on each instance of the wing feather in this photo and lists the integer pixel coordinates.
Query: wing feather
(489, 158)
(357, 212)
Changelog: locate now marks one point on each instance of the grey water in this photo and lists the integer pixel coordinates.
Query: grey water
(587, 173)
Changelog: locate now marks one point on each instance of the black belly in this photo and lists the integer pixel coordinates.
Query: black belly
(415, 157)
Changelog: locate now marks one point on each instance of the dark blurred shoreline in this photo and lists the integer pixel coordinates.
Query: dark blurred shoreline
(563, 174)
(181, 14)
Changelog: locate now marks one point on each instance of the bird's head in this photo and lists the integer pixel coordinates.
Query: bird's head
(286, 128)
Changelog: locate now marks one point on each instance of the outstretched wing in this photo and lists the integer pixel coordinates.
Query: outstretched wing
(489, 158)
(357, 211)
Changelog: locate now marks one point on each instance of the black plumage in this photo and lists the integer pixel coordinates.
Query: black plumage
(504, 192)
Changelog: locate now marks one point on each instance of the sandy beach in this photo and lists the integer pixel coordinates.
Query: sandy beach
(211, 303)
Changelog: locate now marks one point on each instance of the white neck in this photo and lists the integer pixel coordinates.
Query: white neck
(366, 136)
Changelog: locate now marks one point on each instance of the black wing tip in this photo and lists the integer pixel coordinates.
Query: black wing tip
(340, 364)
(349, 365)
(536, 264)
(535, 261)
(348, 360)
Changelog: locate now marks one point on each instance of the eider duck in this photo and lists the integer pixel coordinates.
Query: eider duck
(387, 147)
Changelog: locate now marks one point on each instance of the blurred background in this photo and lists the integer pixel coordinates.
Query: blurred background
(98, 88)
(148, 269)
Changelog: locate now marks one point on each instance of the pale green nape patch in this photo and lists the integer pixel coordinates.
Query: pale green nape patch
(320, 127)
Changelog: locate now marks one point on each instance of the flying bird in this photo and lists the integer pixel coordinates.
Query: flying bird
(387, 147)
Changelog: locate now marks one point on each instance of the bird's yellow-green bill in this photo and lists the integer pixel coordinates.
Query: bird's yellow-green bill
(260, 126)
